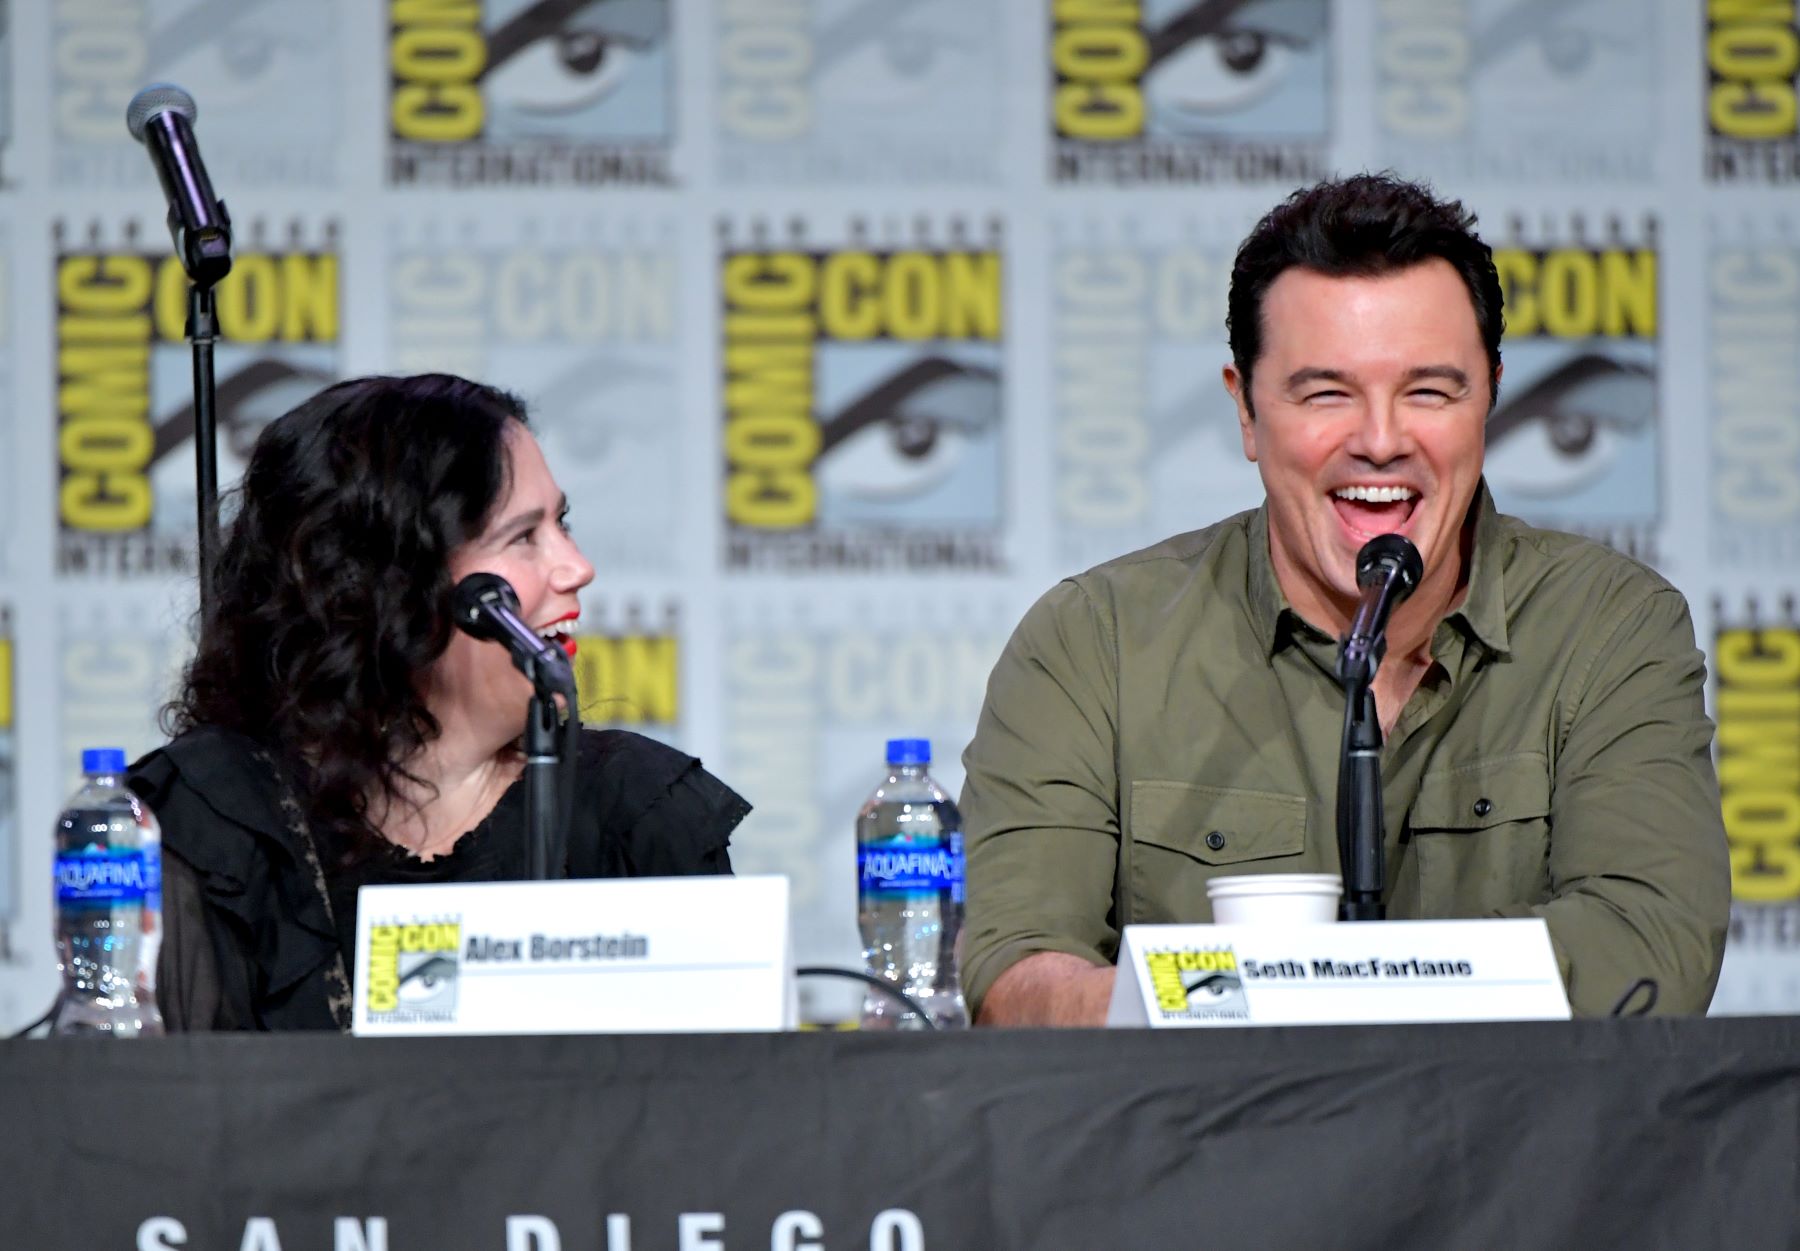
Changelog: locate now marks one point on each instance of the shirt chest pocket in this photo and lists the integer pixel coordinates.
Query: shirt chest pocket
(1481, 833)
(1183, 834)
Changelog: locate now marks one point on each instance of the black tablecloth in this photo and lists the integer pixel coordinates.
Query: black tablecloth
(1594, 1134)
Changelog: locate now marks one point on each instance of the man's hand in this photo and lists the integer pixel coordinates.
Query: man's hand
(1049, 988)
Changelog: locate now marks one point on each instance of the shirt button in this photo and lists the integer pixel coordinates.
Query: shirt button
(1483, 806)
(1215, 840)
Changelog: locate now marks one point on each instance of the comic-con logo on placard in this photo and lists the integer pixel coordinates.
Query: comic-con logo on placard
(1189, 91)
(1146, 439)
(1197, 984)
(850, 91)
(1752, 115)
(529, 93)
(414, 967)
(628, 664)
(1753, 307)
(862, 400)
(1487, 90)
(1575, 442)
(578, 317)
(266, 77)
(124, 383)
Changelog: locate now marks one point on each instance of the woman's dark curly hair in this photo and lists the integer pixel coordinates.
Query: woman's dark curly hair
(330, 596)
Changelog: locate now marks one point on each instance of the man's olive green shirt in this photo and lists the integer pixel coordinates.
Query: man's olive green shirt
(1166, 717)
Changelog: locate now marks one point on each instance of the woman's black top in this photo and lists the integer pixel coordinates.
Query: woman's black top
(260, 918)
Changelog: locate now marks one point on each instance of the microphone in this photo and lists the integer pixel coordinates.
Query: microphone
(485, 606)
(1387, 570)
(161, 117)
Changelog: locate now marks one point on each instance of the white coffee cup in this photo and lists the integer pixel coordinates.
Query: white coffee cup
(1275, 898)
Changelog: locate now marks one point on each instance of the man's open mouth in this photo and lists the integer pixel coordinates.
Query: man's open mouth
(1373, 510)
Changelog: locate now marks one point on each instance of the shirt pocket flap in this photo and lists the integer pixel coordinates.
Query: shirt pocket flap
(1485, 794)
(1217, 824)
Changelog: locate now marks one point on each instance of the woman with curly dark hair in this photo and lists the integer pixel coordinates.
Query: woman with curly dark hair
(334, 730)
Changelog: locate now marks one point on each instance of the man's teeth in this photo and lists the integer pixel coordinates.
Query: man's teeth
(1376, 495)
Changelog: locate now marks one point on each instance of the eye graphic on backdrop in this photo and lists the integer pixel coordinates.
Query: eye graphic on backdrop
(1217, 56)
(1547, 31)
(561, 56)
(233, 52)
(595, 409)
(1568, 427)
(884, 52)
(908, 433)
(247, 400)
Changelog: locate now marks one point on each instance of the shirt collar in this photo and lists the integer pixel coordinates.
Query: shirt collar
(1483, 609)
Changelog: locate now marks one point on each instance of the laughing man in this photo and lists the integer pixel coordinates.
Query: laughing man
(1172, 715)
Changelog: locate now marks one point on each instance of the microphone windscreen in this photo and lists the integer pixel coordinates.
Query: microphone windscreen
(154, 99)
(471, 594)
(1394, 550)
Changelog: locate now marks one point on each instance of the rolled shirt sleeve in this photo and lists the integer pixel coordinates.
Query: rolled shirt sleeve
(1639, 867)
(1040, 801)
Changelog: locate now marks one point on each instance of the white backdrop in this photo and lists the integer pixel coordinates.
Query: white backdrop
(853, 324)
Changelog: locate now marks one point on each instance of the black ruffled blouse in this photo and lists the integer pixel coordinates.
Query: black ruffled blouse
(258, 935)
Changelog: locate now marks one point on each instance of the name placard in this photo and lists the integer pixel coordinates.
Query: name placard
(621, 955)
(1198, 976)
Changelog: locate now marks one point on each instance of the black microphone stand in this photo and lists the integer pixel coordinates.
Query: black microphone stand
(205, 253)
(161, 117)
(1387, 569)
(202, 333)
(1359, 808)
(549, 765)
(1360, 825)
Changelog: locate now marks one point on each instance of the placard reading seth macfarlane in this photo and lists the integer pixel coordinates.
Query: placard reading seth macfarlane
(665, 955)
(1184, 976)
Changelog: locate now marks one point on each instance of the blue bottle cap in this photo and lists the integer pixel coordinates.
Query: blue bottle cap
(103, 760)
(909, 751)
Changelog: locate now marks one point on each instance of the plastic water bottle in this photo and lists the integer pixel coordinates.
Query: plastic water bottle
(909, 854)
(108, 905)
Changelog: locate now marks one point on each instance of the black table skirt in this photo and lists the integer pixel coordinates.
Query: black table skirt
(1633, 1133)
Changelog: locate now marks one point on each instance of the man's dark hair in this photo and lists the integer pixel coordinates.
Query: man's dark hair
(1362, 226)
(331, 595)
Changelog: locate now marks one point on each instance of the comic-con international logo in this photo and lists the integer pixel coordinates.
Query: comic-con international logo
(9, 754)
(413, 970)
(1756, 668)
(529, 92)
(124, 383)
(1197, 984)
(579, 315)
(1752, 115)
(266, 75)
(628, 665)
(862, 402)
(1487, 90)
(1146, 441)
(849, 91)
(1189, 91)
(1575, 441)
(1753, 381)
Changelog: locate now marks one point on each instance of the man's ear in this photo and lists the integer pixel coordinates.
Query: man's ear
(1239, 387)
